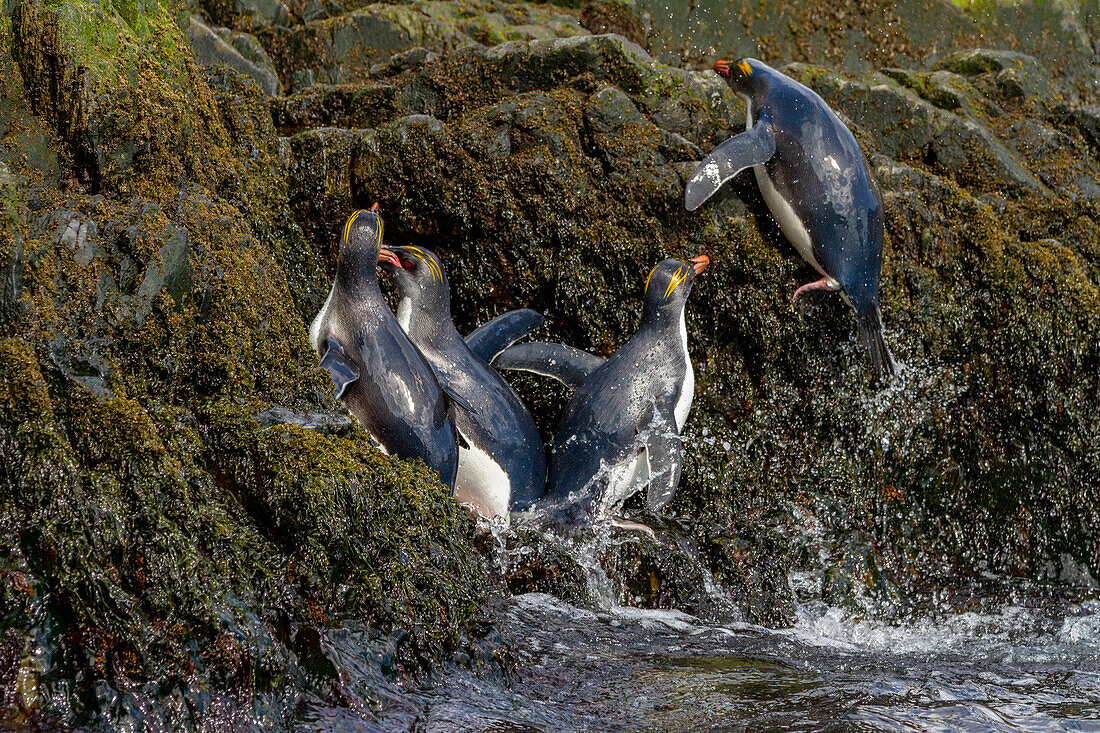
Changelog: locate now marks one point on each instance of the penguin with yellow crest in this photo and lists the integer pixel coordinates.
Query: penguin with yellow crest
(501, 461)
(816, 184)
(620, 432)
(376, 371)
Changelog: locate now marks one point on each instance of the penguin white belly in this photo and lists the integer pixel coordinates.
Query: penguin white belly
(404, 314)
(482, 483)
(624, 480)
(315, 327)
(789, 223)
(687, 391)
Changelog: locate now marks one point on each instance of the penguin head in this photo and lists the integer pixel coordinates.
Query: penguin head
(420, 277)
(744, 77)
(669, 284)
(360, 247)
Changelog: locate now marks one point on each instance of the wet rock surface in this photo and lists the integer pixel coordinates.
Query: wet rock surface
(187, 516)
(238, 51)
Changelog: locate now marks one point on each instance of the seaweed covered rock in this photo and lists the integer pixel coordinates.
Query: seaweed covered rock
(860, 37)
(554, 181)
(171, 540)
(339, 47)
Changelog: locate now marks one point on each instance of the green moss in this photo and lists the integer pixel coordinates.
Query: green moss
(368, 537)
(145, 529)
(943, 89)
(23, 391)
(163, 525)
(138, 108)
(9, 213)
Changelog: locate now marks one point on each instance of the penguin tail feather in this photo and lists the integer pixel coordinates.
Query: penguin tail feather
(870, 335)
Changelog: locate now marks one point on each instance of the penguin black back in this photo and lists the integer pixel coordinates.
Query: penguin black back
(381, 376)
(502, 463)
(815, 181)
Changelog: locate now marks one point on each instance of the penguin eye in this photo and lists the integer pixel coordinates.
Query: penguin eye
(407, 264)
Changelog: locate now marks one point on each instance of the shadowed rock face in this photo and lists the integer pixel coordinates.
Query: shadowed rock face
(181, 497)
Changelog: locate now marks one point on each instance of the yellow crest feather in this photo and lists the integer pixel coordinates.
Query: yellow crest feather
(681, 274)
(347, 227)
(433, 266)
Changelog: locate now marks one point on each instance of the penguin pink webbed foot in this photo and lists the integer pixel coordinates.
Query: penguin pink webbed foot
(631, 526)
(826, 284)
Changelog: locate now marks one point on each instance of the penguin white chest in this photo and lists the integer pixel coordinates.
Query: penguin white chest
(624, 479)
(789, 222)
(687, 391)
(482, 483)
(404, 314)
(318, 322)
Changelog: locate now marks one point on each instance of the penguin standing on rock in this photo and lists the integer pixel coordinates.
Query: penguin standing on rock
(378, 373)
(814, 181)
(501, 462)
(620, 432)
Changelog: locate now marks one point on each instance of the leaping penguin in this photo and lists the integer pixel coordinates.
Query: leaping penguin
(378, 373)
(502, 464)
(814, 181)
(621, 430)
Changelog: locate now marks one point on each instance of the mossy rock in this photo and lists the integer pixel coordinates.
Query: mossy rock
(158, 285)
(345, 47)
(109, 77)
(351, 106)
(897, 122)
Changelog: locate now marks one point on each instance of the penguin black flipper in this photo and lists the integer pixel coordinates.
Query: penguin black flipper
(752, 147)
(455, 398)
(564, 363)
(663, 456)
(489, 339)
(341, 371)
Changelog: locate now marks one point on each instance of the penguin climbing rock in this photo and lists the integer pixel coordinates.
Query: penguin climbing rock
(620, 432)
(375, 369)
(502, 462)
(814, 181)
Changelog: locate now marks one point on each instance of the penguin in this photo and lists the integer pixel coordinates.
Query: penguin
(378, 373)
(501, 461)
(814, 181)
(620, 432)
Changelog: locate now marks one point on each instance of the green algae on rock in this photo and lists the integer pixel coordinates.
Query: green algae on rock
(157, 277)
(345, 47)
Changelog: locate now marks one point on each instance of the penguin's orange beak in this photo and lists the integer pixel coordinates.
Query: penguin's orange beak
(722, 68)
(387, 255)
(375, 207)
(700, 263)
